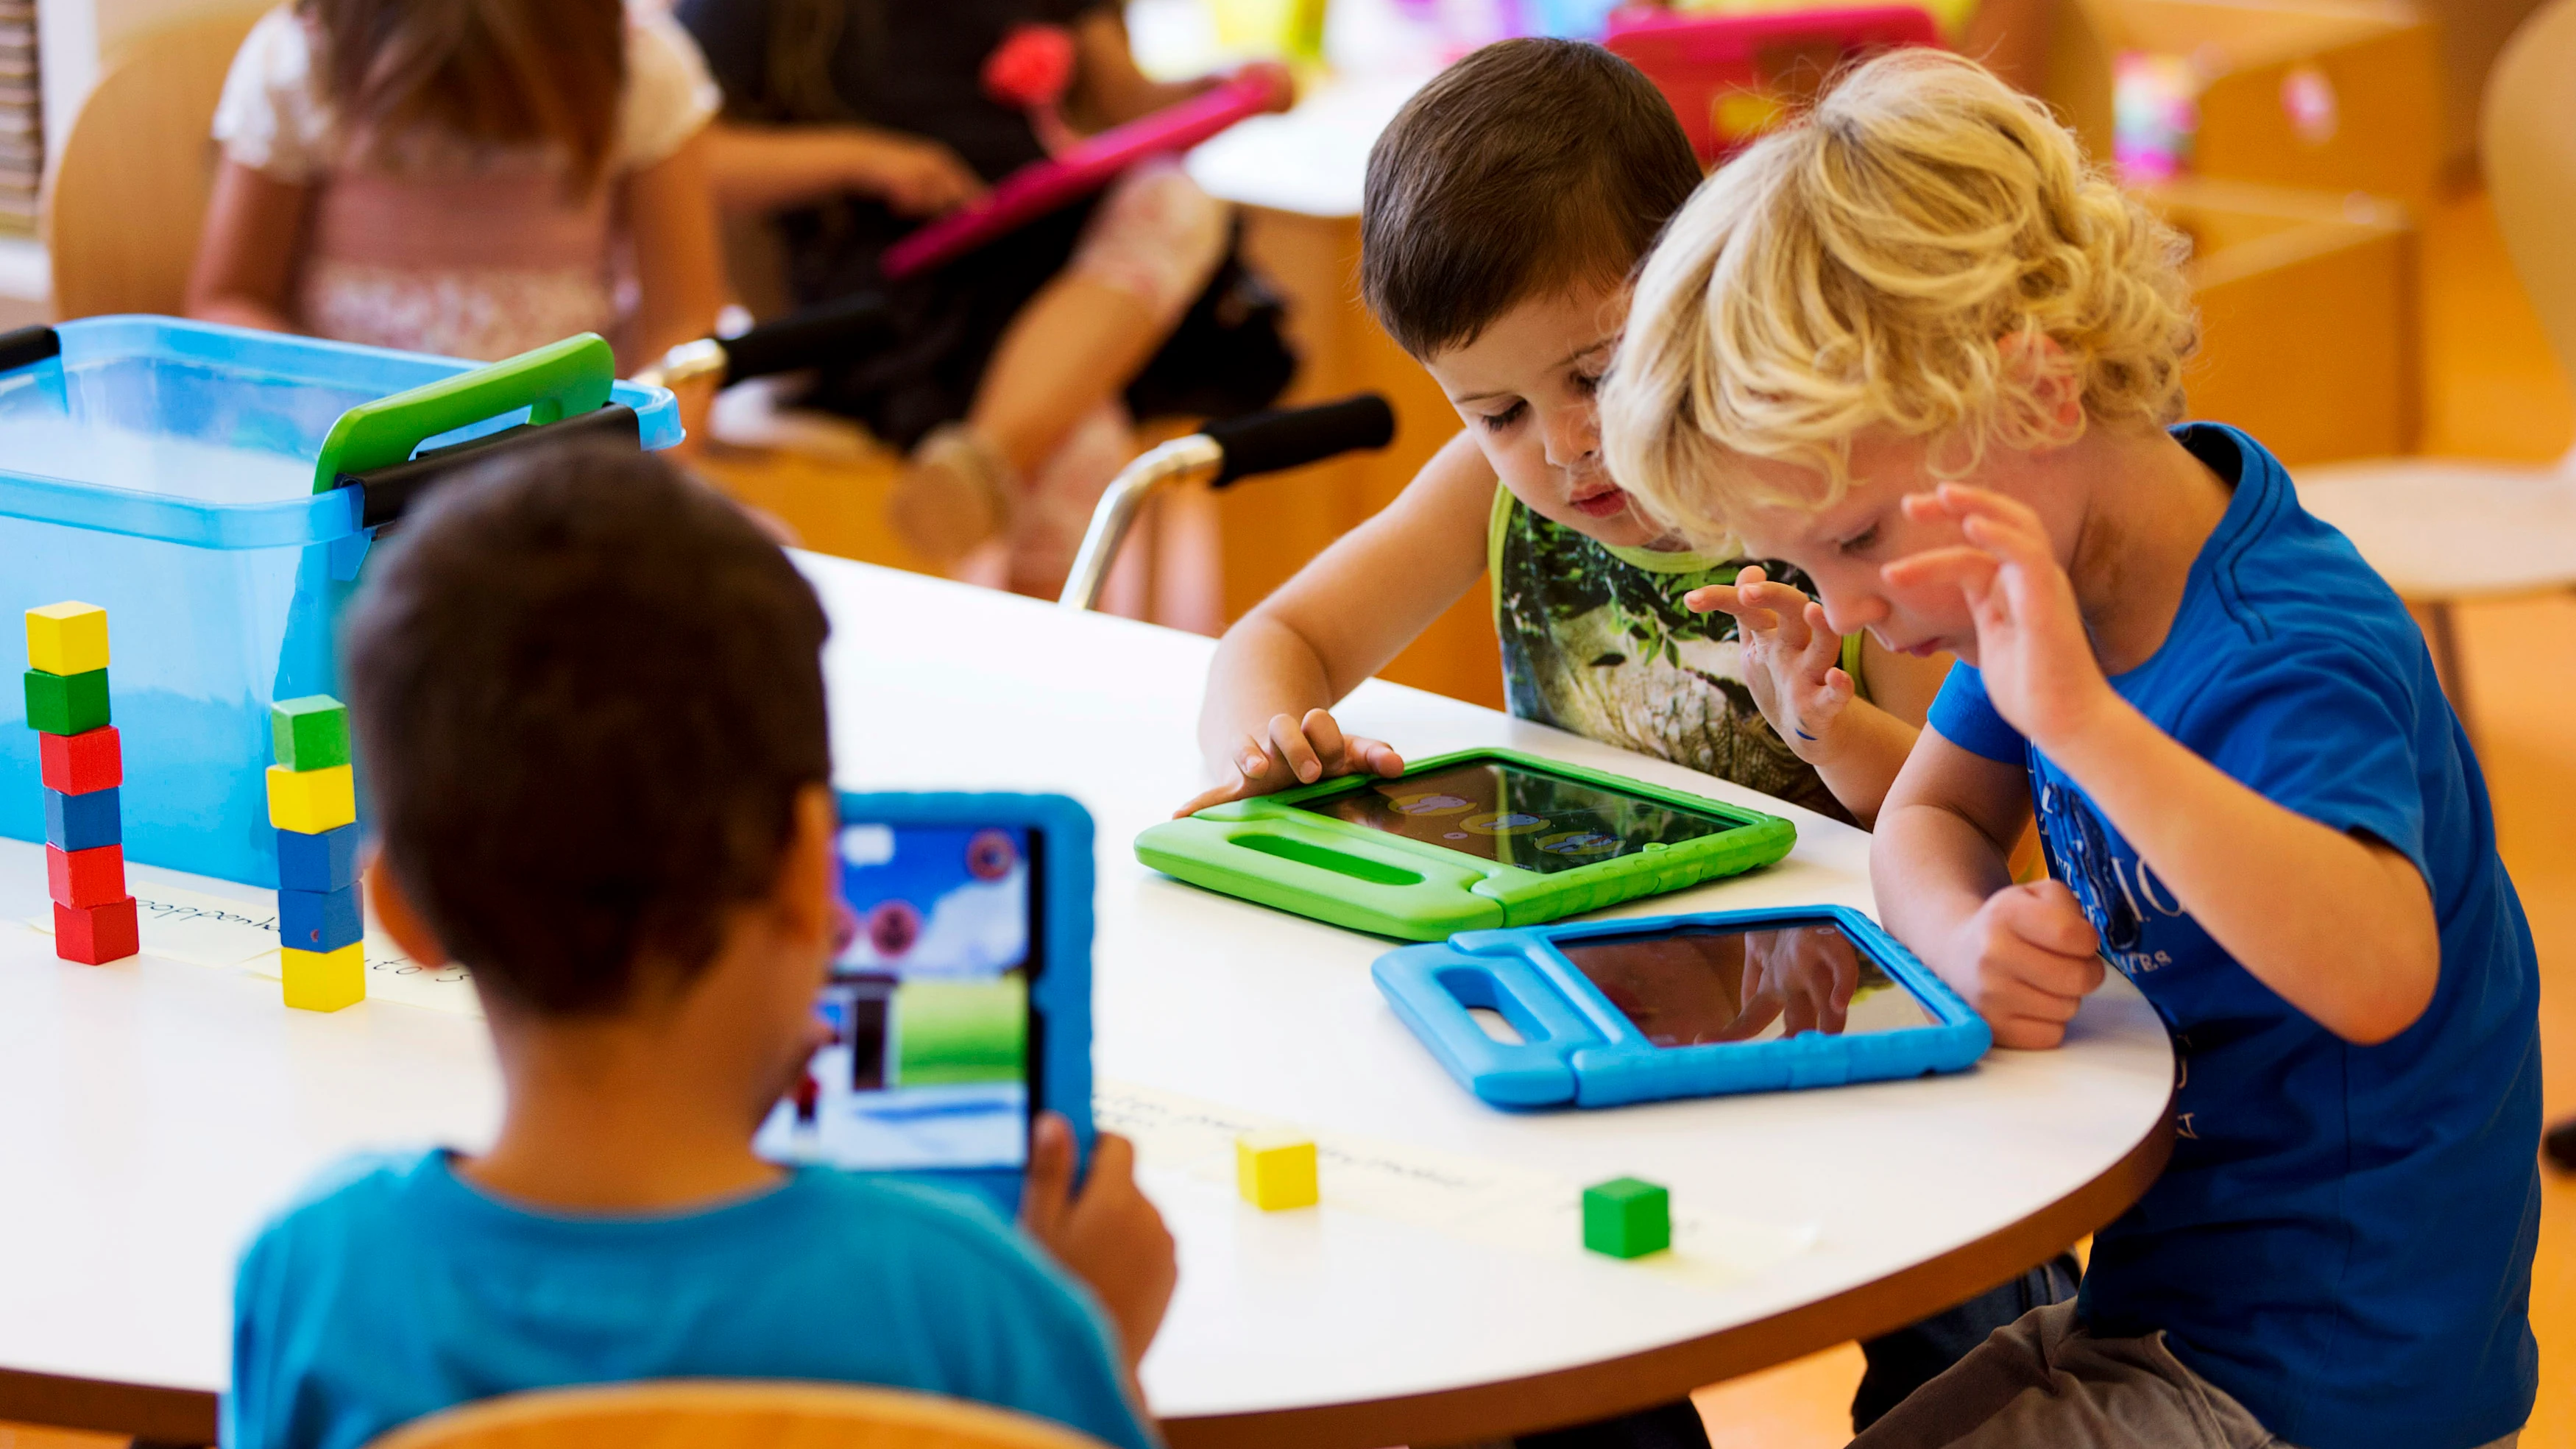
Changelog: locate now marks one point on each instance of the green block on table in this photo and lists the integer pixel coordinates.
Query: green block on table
(311, 733)
(66, 704)
(1626, 1218)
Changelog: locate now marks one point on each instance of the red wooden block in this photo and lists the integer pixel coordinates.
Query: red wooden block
(96, 935)
(78, 764)
(94, 877)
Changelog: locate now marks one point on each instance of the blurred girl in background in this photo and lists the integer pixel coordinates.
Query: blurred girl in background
(465, 177)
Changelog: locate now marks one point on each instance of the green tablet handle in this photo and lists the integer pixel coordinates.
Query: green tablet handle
(553, 382)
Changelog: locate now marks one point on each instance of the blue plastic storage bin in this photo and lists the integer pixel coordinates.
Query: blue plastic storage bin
(166, 471)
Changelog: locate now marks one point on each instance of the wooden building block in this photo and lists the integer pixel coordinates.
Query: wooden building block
(311, 801)
(85, 877)
(324, 980)
(1274, 1171)
(324, 862)
(67, 638)
(311, 733)
(320, 921)
(84, 822)
(66, 704)
(1627, 1218)
(78, 764)
(96, 935)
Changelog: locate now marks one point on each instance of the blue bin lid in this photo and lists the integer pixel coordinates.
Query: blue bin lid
(207, 435)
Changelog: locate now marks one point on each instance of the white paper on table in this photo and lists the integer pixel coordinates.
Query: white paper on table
(1515, 1208)
(177, 924)
(395, 977)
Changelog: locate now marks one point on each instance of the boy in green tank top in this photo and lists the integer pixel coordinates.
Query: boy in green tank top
(1505, 207)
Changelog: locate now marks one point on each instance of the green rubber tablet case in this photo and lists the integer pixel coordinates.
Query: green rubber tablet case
(1462, 842)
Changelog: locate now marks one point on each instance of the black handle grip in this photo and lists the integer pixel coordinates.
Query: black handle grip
(809, 338)
(27, 346)
(388, 493)
(1272, 441)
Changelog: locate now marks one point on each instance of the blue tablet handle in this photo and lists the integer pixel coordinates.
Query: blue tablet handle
(1434, 991)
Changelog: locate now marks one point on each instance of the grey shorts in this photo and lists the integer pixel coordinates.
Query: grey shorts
(2043, 1380)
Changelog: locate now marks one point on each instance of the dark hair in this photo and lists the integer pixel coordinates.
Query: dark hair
(586, 692)
(1529, 165)
(485, 72)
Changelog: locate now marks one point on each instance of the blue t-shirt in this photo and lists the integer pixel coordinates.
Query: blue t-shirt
(2343, 1240)
(398, 1289)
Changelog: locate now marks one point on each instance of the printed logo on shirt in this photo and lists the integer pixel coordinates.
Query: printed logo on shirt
(2119, 894)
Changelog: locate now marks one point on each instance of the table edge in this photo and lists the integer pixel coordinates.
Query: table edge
(1503, 1408)
(152, 1413)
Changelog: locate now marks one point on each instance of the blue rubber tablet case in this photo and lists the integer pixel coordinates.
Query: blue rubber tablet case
(1680, 1006)
(961, 1006)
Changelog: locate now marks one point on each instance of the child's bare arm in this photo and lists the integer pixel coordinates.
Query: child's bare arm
(1793, 667)
(2341, 925)
(2023, 955)
(759, 169)
(679, 264)
(247, 253)
(1263, 725)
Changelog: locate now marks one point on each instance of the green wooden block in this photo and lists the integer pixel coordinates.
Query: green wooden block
(312, 733)
(1626, 1218)
(66, 704)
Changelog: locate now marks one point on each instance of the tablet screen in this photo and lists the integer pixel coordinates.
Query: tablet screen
(1501, 812)
(931, 1048)
(1683, 988)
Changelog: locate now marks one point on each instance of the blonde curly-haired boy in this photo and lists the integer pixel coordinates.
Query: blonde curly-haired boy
(1915, 346)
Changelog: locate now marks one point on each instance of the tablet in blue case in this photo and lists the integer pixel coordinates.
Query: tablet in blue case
(1679, 1006)
(962, 1005)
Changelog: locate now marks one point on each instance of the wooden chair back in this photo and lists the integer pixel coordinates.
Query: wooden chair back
(2529, 139)
(128, 192)
(728, 1414)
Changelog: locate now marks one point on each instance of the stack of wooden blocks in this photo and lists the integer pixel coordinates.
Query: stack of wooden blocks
(83, 768)
(313, 802)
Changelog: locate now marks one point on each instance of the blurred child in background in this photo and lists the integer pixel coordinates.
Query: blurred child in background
(465, 177)
(1013, 372)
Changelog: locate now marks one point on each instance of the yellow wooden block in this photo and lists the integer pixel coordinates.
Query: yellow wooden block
(325, 980)
(67, 638)
(1275, 1171)
(309, 802)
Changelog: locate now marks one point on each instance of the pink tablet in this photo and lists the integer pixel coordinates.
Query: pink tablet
(1043, 186)
(1732, 77)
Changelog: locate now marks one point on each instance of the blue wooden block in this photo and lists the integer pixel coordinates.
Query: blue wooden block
(320, 921)
(324, 862)
(83, 822)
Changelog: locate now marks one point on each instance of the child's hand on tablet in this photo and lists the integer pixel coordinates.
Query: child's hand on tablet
(1792, 658)
(2025, 961)
(1298, 752)
(1108, 1235)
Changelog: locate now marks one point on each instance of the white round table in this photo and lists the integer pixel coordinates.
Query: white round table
(152, 1112)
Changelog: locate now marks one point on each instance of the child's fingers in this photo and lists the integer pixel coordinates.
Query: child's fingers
(1822, 646)
(1332, 747)
(1295, 751)
(1234, 789)
(1965, 568)
(1048, 1184)
(2047, 914)
(1782, 614)
(1377, 756)
(1712, 599)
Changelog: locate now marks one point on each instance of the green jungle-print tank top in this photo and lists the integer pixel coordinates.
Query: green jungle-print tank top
(1596, 640)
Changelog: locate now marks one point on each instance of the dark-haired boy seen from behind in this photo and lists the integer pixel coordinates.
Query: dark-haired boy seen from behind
(588, 696)
(1506, 206)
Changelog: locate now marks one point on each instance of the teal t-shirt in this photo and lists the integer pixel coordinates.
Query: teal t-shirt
(395, 1289)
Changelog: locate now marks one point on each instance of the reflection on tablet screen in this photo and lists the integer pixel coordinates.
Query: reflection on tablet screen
(1688, 987)
(928, 1064)
(1503, 813)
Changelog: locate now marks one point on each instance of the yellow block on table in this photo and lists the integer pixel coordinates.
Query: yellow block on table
(309, 802)
(1274, 1172)
(324, 980)
(67, 638)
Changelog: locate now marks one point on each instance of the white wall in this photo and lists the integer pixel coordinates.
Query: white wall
(74, 37)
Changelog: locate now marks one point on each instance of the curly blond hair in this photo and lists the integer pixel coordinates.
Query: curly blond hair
(1892, 259)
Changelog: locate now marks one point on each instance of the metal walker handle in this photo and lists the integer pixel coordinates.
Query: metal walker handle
(1221, 453)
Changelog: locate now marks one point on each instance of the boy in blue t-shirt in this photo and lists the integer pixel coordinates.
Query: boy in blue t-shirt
(1912, 345)
(588, 696)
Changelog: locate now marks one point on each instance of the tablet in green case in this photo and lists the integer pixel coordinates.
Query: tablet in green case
(1462, 842)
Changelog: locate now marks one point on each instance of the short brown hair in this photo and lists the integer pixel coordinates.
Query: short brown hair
(586, 693)
(487, 73)
(1528, 166)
